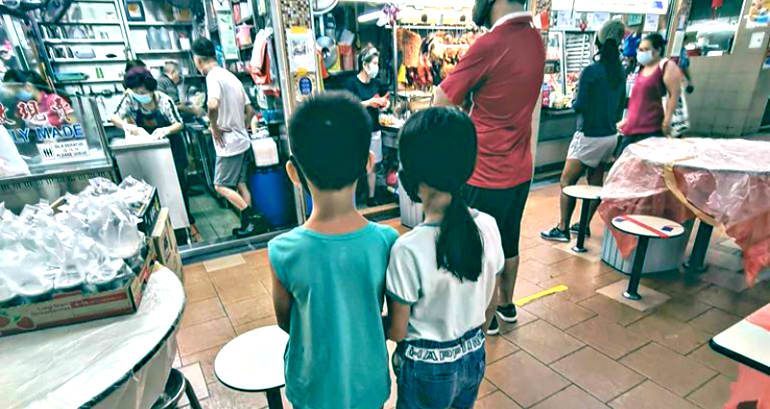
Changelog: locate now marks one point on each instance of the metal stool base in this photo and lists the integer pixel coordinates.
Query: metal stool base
(635, 297)
(577, 249)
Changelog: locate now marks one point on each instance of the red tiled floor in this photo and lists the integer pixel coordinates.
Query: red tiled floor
(568, 350)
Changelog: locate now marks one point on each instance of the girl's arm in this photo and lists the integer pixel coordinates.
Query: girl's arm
(281, 302)
(672, 77)
(398, 315)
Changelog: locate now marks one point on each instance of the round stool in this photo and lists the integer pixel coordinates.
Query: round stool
(253, 362)
(644, 228)
(588, 194)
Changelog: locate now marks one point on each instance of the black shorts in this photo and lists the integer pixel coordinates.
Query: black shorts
(506, 206)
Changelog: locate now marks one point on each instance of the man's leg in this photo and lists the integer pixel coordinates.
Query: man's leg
(244, 192)
(232, 196)
(510, 231)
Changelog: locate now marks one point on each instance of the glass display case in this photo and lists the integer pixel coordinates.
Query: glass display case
(567, 54)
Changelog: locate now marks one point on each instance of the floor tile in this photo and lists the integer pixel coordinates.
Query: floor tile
(223, 397)
(581, 286)
(607, 337)
(612, 310)
(535, 271)
(651, 299)
(199, 291)
(729, 301)
(498, 348)
(558, 311)
(263, 322)
(596, 374)
(683, 308)
(581, 266)
(650, 396)
(572, 398)
(224, 262)
(676, 373)
(194, 375)
(733, 280)
(718, 362)
(524, 379)
(195, 273)
(543, 341)
(486, 388)
(677, 285)
(249, 309)
(547, 255)
(206, 360)
(671, 333)
(242, 272)
(202, 311)
(257, 258)
(523, 318)
(196, 338)
(714, 321)
(233, 290)
(496, 400)
(712, 395)
(525, 288)
(760, 291)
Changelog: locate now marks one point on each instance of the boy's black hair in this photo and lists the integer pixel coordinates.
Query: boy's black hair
(140, 77)
(203, 47)
(131, 64)
(330, 135)
(438, 147)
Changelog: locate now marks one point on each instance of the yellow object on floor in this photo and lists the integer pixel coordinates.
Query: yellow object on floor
(533, 297)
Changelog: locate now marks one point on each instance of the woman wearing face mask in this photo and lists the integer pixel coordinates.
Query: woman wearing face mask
(646, 115)
(368, 88)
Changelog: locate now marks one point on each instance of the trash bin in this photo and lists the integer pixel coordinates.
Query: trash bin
(272, 195)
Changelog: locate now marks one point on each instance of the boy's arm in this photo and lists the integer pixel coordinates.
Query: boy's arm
(398, 318)
(281, 302)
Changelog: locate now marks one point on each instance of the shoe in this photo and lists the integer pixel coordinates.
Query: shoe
(260, 222)
(249, 229)
(555, 235)
(372, 202)
(508, 313)
(494, 327)
(575, 228)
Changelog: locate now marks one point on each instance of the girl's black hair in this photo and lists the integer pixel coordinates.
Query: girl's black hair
(438, 147)
(140, 77)
(657, 41)
(609, 57)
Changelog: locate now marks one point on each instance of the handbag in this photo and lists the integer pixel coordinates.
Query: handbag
(680, 119)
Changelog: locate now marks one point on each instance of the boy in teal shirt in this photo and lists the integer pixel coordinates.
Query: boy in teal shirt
(329, 274)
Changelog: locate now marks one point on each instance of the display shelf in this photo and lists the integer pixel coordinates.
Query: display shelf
(87, 61)
(95, 1)
(244, 20)
(84, 23)
(162, 52)
(143, 24)
(83, 41)
(91, 81)
(246, 47)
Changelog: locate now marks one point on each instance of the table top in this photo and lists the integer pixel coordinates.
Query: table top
(587, 192)
(746, 343)
(76, 365)
(648, 226)
(253, 362)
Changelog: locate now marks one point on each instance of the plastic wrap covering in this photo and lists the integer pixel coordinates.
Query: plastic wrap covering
(724, 182)
(120, 362)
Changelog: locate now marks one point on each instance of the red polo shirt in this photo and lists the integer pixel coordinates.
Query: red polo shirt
(501, 75)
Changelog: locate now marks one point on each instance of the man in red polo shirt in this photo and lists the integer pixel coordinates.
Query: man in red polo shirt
(499, 82)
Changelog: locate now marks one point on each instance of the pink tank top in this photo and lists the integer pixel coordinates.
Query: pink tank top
(645, 106)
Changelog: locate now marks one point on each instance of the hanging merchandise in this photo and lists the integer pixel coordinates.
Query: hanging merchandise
(227, 35)
(244, 36)
(135, 10)
(329, 53)
(260, 67)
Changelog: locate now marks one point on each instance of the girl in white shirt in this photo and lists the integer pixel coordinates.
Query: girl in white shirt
(442, 274)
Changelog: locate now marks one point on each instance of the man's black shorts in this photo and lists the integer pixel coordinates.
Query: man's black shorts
(506, 206)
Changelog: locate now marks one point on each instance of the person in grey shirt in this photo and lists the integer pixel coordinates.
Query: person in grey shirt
(229, 111)
(167, 83)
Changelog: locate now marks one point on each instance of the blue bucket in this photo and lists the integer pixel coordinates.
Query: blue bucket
(272, 195)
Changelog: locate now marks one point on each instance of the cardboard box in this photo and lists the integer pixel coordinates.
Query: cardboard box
(74, 307)
(164, 242)
(149, 213)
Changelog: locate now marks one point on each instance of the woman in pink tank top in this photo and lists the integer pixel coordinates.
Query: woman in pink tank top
(646, 116)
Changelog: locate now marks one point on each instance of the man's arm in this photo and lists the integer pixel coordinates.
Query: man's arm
(468, 75)
(281, 302)
(441, 99)
(216, 132)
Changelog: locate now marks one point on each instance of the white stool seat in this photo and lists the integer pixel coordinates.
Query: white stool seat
(648, 226)
(586, 192)
(253, 362)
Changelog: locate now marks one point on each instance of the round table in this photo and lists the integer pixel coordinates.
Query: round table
(722, 182)
(253, 362)
(120, 362)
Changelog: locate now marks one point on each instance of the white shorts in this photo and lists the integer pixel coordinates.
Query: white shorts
(592, 150)
(376, 146)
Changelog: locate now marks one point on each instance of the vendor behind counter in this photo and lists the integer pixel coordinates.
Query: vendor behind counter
(145, 109)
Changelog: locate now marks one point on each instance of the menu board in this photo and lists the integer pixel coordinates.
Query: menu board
(614, 6)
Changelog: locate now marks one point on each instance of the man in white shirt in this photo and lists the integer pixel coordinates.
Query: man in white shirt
(229, 110)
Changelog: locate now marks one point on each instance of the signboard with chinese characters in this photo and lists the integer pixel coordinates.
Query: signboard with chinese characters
(614, 6)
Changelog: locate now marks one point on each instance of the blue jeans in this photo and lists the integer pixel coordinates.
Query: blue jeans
(440, 375)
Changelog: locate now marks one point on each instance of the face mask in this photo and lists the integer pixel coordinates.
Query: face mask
(481, 12)
(644, 57)
(143, 98)
(373, 71)
(24, 95)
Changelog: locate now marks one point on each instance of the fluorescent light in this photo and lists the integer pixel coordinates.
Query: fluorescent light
(375, 15)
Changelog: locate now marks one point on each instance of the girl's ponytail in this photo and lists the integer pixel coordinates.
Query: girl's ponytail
(459, 248)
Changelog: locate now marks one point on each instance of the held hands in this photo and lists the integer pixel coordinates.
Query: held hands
(131, 129)
(160, 133)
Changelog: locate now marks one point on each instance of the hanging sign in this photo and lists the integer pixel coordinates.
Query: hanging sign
(614, 6)
(651, 23)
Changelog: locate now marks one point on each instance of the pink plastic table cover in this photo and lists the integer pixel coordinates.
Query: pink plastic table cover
(725, 182)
